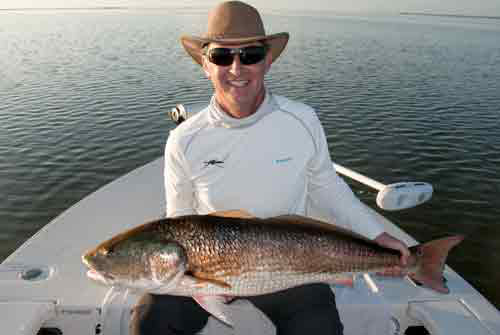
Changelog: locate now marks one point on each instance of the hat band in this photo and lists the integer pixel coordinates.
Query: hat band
(233, 37)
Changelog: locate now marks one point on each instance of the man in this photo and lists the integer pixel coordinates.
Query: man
(255, 151)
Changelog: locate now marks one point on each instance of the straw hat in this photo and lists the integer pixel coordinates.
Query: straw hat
(234, 22)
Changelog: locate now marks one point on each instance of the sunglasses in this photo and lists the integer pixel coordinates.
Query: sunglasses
(248, 55)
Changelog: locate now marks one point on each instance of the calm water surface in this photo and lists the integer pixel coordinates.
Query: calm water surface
(84, 97)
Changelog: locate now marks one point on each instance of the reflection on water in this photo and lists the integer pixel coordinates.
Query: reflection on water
(85, 95)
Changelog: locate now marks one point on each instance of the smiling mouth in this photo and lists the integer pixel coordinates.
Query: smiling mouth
(239, 83)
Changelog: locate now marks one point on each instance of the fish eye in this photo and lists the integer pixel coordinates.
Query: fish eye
(108, 276)
(107, 251)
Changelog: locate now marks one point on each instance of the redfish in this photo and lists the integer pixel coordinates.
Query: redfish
(210, 257)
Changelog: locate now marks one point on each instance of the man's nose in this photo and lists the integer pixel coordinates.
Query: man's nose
(235, 67)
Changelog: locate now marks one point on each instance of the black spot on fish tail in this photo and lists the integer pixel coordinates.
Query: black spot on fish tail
(432, 260)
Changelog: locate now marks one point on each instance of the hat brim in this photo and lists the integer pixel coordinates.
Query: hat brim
(194, 44)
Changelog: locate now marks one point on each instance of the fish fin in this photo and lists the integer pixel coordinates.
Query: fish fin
(214, 305)
(239, 213)
(201, 280)
(168, 287)
(345, 281)
(194, 282)
(431, 258)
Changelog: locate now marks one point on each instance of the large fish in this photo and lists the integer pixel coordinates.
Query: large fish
(209, 257)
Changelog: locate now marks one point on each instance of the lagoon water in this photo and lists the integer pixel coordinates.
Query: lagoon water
(84, 99)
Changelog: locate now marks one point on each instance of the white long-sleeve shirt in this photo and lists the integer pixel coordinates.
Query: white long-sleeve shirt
(272, 163)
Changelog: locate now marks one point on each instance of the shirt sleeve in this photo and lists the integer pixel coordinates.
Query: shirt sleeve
(179, 190)
(330, 198)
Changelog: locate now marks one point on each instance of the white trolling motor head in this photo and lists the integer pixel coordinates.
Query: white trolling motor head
(403, 195)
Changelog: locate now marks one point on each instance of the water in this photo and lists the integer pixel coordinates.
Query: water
(84, 96)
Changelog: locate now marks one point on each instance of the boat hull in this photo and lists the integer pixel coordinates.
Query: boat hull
(46, 279)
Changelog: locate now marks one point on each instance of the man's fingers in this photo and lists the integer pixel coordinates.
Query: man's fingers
(405, 254)
(391, 242)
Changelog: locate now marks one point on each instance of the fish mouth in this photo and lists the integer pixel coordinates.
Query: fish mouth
(95, 274)
(85, 260)
(100, 277)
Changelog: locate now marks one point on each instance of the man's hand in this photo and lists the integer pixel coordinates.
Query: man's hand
(388, 241)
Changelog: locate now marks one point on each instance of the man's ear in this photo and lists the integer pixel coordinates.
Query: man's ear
(205, 67)
(269, 60)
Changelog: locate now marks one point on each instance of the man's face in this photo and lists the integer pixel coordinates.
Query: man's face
(239, 88)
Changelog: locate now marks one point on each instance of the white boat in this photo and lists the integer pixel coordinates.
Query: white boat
(44, 288)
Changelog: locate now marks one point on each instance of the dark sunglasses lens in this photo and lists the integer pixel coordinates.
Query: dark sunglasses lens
(248, 55)
(221, 56)
(252, 55)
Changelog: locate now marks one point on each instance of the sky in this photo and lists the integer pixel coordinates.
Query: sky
(462, 7)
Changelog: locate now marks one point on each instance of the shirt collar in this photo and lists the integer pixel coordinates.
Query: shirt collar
(219, 118)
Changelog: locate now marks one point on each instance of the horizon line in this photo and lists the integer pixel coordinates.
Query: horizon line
(493, 17)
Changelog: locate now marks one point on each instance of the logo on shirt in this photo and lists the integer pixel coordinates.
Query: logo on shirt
(282, 160)
(214, 162)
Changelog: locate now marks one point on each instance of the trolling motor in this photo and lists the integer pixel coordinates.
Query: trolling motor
(179, 113)
(391, 197)
(395, 196)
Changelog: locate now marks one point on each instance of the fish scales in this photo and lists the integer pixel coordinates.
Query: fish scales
(219, 247)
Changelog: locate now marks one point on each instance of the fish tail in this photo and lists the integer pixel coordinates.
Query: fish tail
(431, 258)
